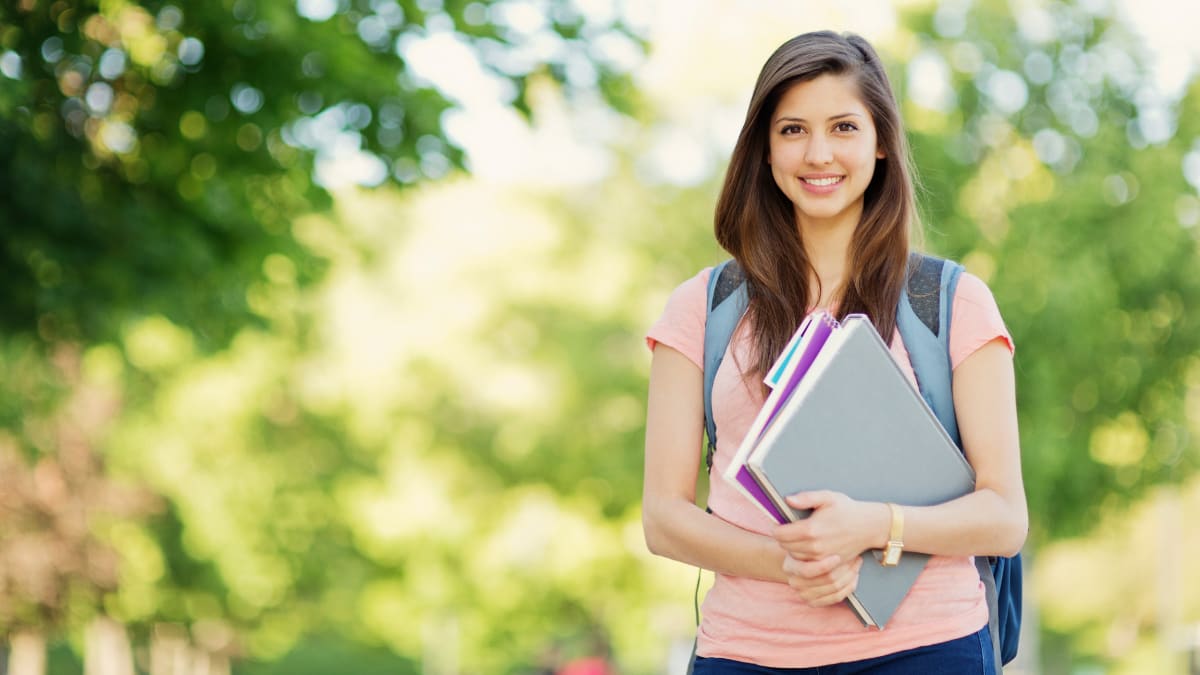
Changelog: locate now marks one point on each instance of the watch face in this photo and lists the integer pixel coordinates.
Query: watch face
(891, 555)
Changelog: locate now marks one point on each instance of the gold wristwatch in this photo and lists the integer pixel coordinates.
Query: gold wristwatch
(895, 545)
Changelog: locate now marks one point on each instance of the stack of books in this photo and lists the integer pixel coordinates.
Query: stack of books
(841, 415)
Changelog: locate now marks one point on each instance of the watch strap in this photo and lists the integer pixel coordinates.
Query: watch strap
(895, 544)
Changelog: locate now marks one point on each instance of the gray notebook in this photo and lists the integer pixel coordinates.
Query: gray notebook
(857, 425)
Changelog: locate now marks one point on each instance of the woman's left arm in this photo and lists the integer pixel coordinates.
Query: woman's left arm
(992, 520)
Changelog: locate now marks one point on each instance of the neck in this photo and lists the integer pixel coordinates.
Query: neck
(827, 244)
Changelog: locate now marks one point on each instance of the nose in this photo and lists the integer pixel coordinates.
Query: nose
(819, 150)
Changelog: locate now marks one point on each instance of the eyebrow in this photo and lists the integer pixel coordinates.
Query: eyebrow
(801, 119)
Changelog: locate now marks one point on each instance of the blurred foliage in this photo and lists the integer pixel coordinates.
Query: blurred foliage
(322, 657)
(155, 154)
(409, 421)
(1122, 595)
(157, 157)
(57, 502)
(1057, 177)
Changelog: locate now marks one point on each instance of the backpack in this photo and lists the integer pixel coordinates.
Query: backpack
(923, 319)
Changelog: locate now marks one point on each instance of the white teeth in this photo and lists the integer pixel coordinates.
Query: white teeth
(822, 181)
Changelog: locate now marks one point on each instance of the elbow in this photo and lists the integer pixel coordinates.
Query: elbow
(1010, 527)
(660, 527)
(1012, 547)
(1014, 536)
(653, 532)
(664, 526)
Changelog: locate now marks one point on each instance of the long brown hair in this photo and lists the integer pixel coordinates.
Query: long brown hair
(756, 222)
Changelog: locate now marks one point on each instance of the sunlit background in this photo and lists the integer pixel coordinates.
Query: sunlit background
(321, 334)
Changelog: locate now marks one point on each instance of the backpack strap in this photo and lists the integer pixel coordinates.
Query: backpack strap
(726, 302)
(923, 319)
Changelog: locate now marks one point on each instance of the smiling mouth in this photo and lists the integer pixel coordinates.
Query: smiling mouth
(824, 182)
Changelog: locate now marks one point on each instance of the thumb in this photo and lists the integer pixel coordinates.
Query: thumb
(810, 500)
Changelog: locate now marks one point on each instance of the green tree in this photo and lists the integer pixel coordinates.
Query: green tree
(1055, 172)
(156, 157)
(156, 153)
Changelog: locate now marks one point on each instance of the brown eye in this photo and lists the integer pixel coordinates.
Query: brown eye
(846, 126)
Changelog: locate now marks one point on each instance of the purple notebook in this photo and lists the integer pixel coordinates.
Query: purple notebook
(816, 334)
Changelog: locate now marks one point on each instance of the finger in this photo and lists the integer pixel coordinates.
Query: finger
(805, 567)
(811, 500)
(836, 592)
(812, 590)
(847, 575)
(812, 569)
(803, 549)
(811, 579)
(831, 598)
(793, 529)
(841, 583)
(825, 594)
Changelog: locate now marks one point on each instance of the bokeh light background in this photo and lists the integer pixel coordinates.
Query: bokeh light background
(417, 449)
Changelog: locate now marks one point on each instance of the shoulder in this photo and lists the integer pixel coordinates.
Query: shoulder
(695, 287)
(689, 297)
(681, 325)
(975, 319)
(974, 291)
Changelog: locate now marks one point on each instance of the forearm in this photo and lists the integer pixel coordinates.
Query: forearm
(682, 531)
(980, 523)
(675, 527)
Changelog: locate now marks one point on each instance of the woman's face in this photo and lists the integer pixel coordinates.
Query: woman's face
(823, 150)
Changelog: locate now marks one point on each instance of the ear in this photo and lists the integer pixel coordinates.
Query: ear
(880, 154)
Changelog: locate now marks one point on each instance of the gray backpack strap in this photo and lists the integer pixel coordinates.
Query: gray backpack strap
(983, 565)
(726, 302)
(923, 318)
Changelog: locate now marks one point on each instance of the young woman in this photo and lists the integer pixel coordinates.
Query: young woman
(817, 208)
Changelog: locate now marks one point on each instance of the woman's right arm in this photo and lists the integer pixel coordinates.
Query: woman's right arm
(675, 527)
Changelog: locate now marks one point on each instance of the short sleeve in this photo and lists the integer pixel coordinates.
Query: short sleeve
(681, 325)
(975, 319)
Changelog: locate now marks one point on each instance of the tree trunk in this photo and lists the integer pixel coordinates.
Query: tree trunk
(218, 664)
(107, 650)
(172, 653)
(169, 652)
(27, 654)
(204, 662)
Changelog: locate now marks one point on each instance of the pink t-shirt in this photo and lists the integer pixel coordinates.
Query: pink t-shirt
(765, 622)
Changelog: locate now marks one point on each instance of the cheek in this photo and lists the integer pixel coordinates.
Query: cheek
(869, 158)
(772, 153)
(785, 156)
(780, 177)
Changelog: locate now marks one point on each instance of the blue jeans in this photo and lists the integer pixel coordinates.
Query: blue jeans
(968, 655)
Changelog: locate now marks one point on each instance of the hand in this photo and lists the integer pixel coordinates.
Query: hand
(838, 526)
(823, 582)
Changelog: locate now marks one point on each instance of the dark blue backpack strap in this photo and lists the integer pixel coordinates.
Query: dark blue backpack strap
(1007, 576)
(725, 303)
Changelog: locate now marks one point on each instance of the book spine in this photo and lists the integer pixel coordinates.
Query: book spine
(756, 493)
(860, 610)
